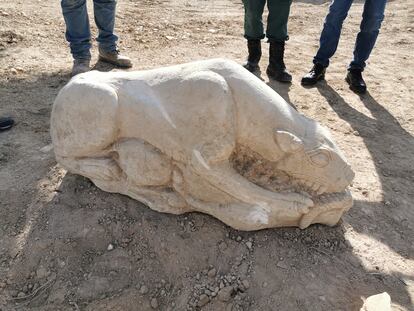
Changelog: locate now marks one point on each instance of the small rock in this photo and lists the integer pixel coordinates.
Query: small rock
(239, 238)
(264, 284)
(154, 303)
(21, 295)
(212, 273)
(110, 247)
(225, 293)
(143, 290)
(41, 272)
(282, 265)
(14, 293)
(380, 302)
(203, 300)
(222, 246)
(246, 284)
(249, 245)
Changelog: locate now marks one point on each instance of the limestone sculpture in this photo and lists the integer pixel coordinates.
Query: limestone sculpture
(206, 136)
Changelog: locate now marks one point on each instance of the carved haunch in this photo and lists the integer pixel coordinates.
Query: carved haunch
(206, 136)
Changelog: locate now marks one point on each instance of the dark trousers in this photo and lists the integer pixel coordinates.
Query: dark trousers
(277, 20)
(372, 17)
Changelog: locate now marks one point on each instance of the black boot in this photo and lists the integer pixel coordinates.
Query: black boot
(314, 75)
(255, 52)
(355, 81)
(6, 123)
(277, 69)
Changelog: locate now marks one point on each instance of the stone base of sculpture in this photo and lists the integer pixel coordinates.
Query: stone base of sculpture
(206, 136)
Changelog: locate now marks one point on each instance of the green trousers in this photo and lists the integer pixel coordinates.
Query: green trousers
(277, 20)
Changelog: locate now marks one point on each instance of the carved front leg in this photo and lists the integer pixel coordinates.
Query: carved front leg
(222, 176)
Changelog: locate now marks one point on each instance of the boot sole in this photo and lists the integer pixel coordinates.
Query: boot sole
(354, 89)
(105, 60)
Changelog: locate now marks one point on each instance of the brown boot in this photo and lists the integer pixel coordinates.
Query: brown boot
(115, 58)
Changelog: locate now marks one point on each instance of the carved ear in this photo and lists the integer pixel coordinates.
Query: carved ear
(288, 142)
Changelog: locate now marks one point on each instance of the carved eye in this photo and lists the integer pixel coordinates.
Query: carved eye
(320, 159)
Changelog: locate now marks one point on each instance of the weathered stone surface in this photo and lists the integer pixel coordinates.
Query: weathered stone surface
(205, 136)
(380, 302)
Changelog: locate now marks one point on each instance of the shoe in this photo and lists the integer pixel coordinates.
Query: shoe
(277, 69)
(355, 81)
(115, 58)
(6, 123)
(316, 74)
(254, 48)
(80, 66)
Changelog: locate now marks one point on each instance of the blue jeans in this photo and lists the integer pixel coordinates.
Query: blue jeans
(78, 33)
(372, 17)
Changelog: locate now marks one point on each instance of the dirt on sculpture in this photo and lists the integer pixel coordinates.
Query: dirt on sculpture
(66, 245)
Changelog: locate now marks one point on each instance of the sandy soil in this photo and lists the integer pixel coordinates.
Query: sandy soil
(65, 245)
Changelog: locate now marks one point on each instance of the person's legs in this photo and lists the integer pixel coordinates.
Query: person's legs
(77, 28)
(277, 35)
(105, 21)
(372, 18)
(331, 32)
(253, 32)
(104, 11)
(277, 20)
(253, 23)
(328, 42)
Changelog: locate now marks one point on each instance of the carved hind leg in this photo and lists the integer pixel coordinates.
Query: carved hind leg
(83, 127)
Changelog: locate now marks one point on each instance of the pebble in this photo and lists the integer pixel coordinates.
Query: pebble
(154, 303)
(225, 293)
(14, 293)
(282, 265)
(212, 273)
(246, 284)
(203, 300)
(21, 295)
(249, 245)
(239, 238)
(222, 246)
(143, 290)
(110, 247)
(41, 272)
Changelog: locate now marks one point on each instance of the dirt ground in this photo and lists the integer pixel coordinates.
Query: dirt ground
(66, 245)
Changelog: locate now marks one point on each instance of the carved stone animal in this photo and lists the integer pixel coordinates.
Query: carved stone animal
(167, 137)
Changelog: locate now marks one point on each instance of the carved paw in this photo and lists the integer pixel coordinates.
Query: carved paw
(296, 202)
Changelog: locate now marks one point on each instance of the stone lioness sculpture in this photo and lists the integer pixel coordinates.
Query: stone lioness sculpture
(201, 137)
